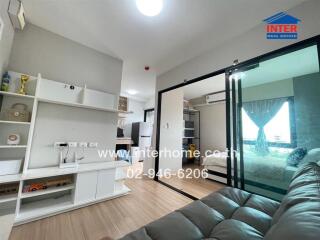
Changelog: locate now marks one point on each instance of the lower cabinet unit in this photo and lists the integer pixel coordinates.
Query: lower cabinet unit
(105, 185)
(86, 187)
(94, 185)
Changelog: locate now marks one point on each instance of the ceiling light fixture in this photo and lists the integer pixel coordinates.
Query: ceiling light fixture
(132, 92)
(149, 7)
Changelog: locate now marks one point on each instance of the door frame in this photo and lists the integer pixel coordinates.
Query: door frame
(228, 142)
(146, 112)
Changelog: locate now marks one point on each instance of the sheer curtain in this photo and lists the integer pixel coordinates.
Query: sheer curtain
(261, 112)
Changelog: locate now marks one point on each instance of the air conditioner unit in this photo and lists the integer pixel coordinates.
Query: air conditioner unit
(216, 97)
(16, 13)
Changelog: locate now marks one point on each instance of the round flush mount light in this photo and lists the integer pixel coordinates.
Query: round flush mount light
(132, 92)
(149, 7)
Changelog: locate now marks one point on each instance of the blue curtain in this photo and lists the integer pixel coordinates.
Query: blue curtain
(261, 112)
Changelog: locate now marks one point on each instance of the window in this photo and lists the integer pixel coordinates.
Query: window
(278, 130)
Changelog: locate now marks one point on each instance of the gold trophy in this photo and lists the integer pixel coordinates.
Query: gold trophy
(23, 81)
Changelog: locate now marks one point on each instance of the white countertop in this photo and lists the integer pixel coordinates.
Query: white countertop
(56, 171)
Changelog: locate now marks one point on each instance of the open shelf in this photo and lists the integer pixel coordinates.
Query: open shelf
(79, 105)
(8, 198)
(46, 191)
(12, 94)
(44, 207)
(14, 122)
(10, 178)
(12, 146)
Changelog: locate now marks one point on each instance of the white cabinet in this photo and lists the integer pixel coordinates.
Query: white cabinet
(86, 187)
(105, 185)
(94, 185)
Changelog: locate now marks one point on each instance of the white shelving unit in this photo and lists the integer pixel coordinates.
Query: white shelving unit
(78, 105)
(14, 122)
(8, 198)
(12, 94)
(46, 191)
(12, 146)
(105, 177)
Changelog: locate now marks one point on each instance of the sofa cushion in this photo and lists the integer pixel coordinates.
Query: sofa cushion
(305, 187)
(300, 222)
(257, 219)
(204, 217)
(235, 230)
(174, 224)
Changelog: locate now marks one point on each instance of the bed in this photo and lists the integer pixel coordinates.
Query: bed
(268, 173)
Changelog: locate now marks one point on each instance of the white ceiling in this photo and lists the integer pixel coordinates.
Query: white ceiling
(183, 30)
(202, 88)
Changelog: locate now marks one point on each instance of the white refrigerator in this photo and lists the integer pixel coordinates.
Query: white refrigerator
(141, 135)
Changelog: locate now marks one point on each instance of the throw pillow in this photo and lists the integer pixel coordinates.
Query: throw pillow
(312, 156)
(296, 156)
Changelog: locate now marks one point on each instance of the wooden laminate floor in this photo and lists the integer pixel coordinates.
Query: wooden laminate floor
(197, 187)
(147, 202)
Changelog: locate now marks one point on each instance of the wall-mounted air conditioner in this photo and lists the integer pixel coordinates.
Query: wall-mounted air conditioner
(16, 14)
(216, 97)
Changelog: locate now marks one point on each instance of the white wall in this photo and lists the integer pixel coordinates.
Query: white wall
(7, 37)
(171, 129)
(57, 58)
(57, 123)
(149, 104)
(137, 116)
(212, 127)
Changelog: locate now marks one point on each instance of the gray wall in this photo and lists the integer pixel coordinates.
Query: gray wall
(36, 50)
(7, 37)
(277, 89)
(307, 110)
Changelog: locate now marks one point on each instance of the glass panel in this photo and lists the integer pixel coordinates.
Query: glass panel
(279, 126)
(193, 137)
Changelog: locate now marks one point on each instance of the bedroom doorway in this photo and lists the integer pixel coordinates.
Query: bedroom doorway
(275, 103)
(192, 131)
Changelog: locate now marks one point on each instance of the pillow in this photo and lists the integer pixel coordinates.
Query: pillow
(312, 156)
(296, 156)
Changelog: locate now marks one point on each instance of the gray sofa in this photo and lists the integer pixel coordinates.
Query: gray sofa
(233, 214)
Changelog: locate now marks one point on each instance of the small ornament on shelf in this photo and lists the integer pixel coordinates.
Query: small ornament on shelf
(23, 81)
(5, 85)
(13, 139)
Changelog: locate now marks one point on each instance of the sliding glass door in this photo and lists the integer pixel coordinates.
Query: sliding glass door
(276, 119)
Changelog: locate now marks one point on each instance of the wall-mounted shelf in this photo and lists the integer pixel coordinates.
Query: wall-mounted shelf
(12, 94)
(78, 105)
(12, 146)
(44, 207)
(46, 191)
(8, 198)
(10, 178)
(14, 122)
